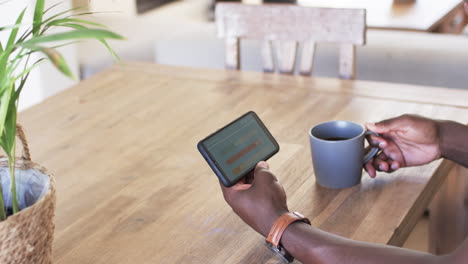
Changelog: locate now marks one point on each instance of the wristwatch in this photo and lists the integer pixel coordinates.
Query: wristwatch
(273, 239)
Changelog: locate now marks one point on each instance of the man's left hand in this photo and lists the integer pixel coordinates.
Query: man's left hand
(260, 203)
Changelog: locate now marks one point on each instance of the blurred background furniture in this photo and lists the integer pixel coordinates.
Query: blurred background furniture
(390, 56)
(445, 16)
(181, 33)
(126, 7)
(283, 30)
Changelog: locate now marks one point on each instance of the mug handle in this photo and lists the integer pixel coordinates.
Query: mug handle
(373, 151)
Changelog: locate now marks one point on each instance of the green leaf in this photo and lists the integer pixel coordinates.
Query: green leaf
(72, 15)
(32, 50)
(52, 7)
(62, 13)
(26, 34)
(54, 57)
(111, 51)
(38, 13)
(10, 44)
(4, 106)
(14, 31)
(20, 87)
(104, 42)
(11, 163)
(2, 144)
(8, 115)
(5, 80)
(2, 206)
(3, 61)
(73, 35)
(8, 140)
(9, 133)
(29, 69)
(58, 22)
(10, 27)
(58, 61)
(93, 13)
(72, 25)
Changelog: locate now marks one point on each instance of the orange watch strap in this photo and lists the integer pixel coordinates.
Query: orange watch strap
(281, 224)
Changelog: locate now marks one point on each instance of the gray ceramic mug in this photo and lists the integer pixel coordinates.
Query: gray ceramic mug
(338, 156)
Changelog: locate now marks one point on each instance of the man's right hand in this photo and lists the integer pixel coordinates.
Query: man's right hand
(407, 140)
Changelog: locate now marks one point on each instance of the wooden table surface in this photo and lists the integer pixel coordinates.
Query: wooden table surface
(132, 187)
(421, 15)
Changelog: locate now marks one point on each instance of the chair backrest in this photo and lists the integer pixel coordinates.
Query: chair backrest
(281, 27)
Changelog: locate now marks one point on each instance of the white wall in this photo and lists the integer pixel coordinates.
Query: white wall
(45, 80)
(123, 7)
(178, 19)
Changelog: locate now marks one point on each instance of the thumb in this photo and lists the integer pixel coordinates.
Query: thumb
(262, 174)
(262, 165)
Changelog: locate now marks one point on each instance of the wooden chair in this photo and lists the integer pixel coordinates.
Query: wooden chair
(282, 27)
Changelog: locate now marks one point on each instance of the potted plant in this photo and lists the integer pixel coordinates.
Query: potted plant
(27, 190)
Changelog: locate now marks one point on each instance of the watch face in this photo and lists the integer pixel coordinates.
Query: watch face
(280, 252)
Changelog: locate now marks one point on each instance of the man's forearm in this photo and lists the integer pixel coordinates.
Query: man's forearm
(454, 141)
(311, 245)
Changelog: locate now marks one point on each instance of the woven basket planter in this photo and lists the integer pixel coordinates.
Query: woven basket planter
(26, 237)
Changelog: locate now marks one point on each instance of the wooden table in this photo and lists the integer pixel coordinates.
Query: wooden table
(422, 15)
(132, 187)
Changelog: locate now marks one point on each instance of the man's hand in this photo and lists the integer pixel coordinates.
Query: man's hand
(260, 203)
(407, 140)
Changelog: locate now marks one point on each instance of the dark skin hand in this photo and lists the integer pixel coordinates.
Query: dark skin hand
(269, 197)
(261, 202)
(407, 141)
(411, 140)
